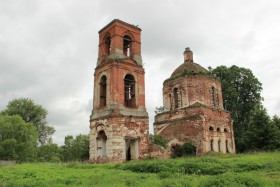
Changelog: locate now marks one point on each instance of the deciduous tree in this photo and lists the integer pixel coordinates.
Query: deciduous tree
(241, 95)
(18, 139)
(49, 153)
(76, 149)
(262, 133)
(33, 114)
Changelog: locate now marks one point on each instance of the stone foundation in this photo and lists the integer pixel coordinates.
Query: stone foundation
(127, 138)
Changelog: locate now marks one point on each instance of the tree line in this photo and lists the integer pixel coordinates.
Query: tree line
(25, 136)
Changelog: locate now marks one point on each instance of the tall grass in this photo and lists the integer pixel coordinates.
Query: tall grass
(261, 169)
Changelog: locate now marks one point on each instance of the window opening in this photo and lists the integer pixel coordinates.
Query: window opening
(225, 130)
(103, 87)
(217, 100)
(129, 91)
(211, 128)
(212, 145)
(218, 129)
(127, 45)
(108, 45)
(176, 97)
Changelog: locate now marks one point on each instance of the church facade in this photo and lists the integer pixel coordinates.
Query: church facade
(119, 125)
(193, 110)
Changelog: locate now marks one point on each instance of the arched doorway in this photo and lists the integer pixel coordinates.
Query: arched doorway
(131, 147)
(101, 140)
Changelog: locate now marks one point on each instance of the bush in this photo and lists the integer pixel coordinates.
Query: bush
(159, 140)
(187, 149)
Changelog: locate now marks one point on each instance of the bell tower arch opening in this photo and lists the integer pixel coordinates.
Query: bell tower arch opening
(129, 91)
(127, 45)
(103, 91)
(108, 45)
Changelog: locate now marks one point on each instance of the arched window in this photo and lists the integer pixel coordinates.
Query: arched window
(220, 145)
(225, 130)
(218, 129)
(213, 96)
(101, 140)
(108, 45)
(129, 91)
(212, 145)
(127, 45)
(103, 87)
(170, 99)
(211, 128)
(176, 98)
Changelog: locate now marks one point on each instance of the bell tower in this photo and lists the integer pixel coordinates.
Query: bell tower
(119, 121)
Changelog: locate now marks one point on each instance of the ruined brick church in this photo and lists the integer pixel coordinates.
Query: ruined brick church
(119, 124)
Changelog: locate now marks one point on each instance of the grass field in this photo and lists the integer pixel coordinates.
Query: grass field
(261, 169)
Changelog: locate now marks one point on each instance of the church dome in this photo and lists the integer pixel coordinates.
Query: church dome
(188, 65)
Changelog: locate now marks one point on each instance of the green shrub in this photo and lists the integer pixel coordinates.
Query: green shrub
(187, 149)
(159, 140)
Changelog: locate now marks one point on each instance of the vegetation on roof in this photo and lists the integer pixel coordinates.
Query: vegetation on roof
(187, 73)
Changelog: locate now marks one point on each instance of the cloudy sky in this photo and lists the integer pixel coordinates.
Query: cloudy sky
(48, 48)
